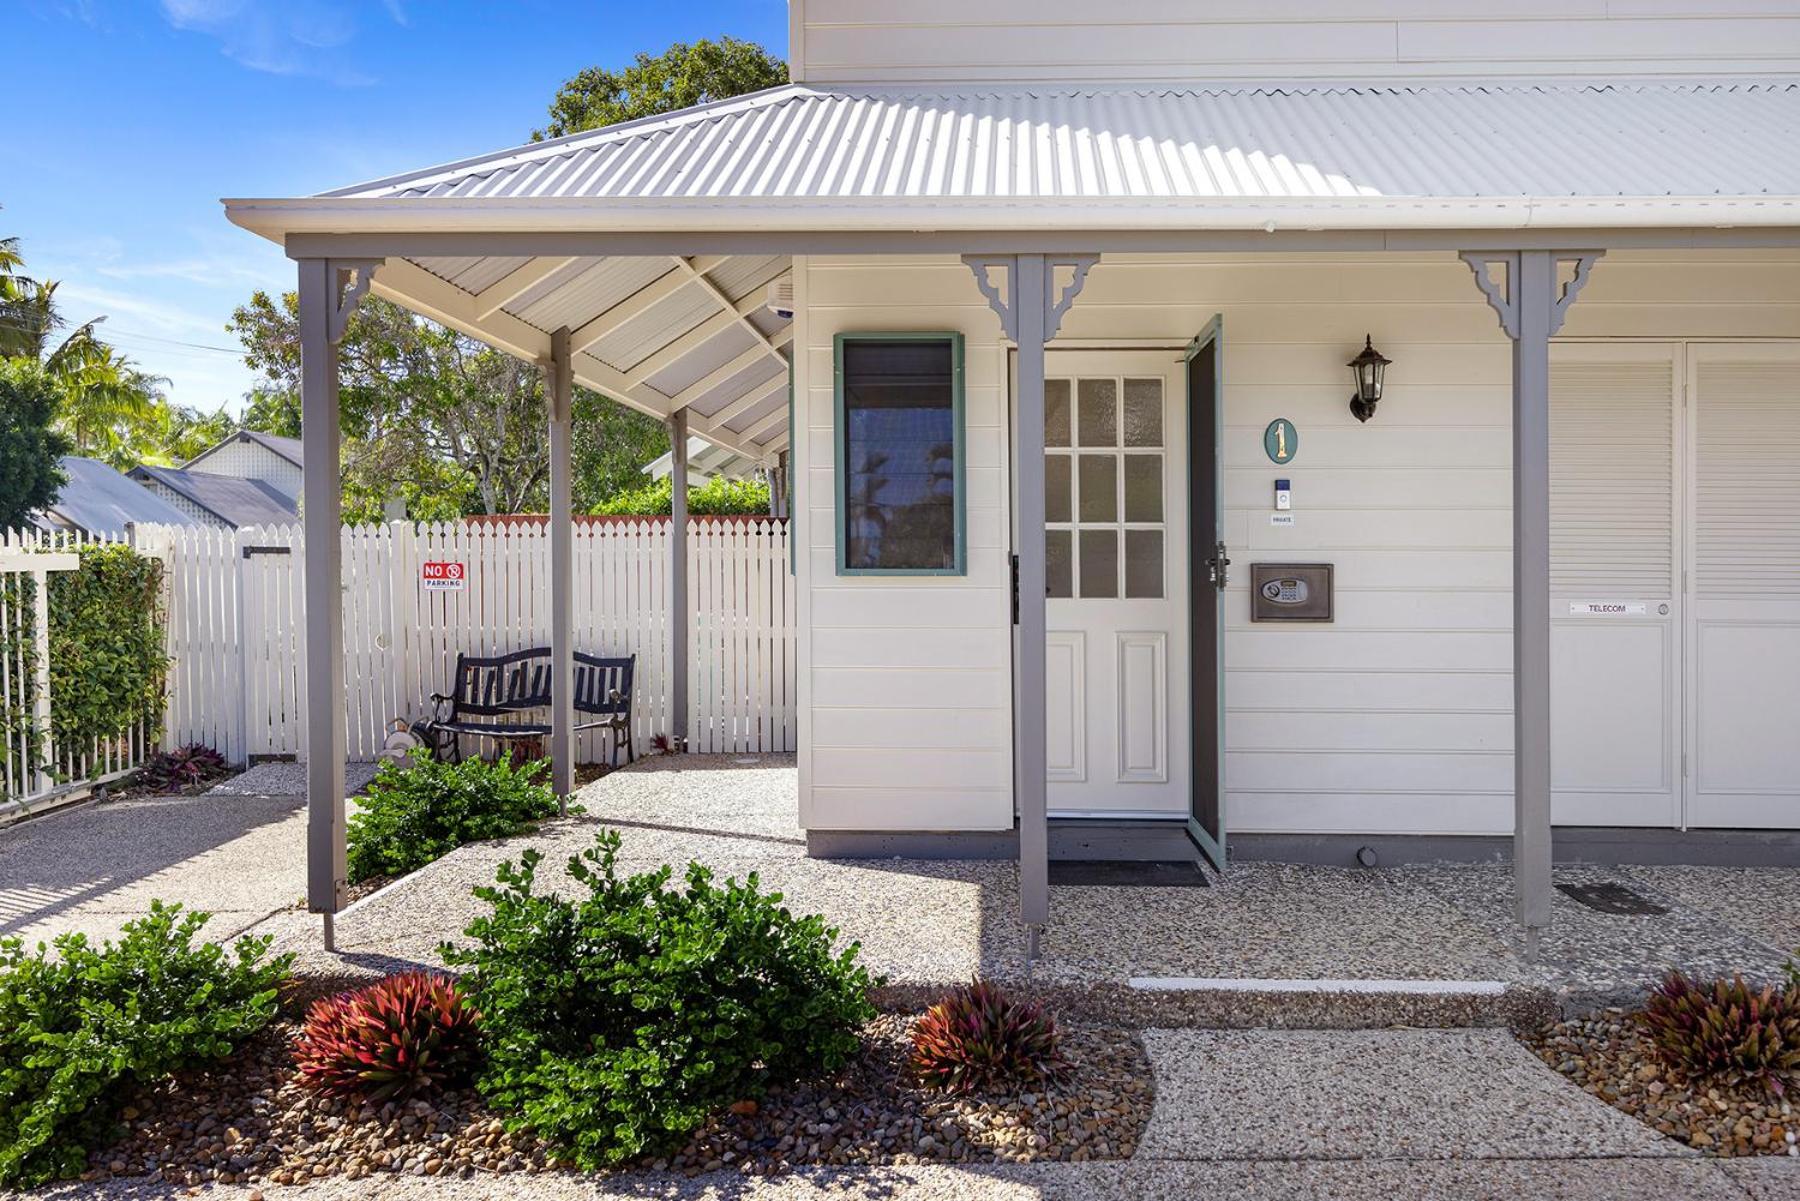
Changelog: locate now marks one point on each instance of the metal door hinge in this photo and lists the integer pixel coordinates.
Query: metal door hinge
(1218, 568)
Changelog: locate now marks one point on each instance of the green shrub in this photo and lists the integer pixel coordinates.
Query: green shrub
(717, 497)
(80, 1029)
(1727, 1030)
(413, 815)
(617, 1022)
(978, 1037)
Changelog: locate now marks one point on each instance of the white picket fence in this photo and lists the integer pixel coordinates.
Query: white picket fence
(36, 768)
(237, 625)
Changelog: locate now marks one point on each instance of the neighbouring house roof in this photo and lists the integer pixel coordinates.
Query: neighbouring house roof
(99, 500)
(290, 449)
(236, 502)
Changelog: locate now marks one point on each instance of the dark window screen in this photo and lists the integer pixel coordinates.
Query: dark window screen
(899, 456)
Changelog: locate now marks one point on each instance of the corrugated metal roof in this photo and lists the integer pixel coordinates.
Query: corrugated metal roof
(234, 501)
(1466, 140)
(99, 500)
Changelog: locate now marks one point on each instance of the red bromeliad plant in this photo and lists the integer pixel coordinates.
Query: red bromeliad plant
(1728, 1030)
(978, 1038)
(399, 1036)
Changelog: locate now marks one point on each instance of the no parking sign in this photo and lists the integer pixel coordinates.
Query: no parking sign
(438, 575)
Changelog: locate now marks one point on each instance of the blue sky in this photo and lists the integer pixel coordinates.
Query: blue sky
(145, 113)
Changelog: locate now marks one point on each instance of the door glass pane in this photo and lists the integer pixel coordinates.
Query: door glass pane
(1099, 563)
(1056, 412)
(1143, 488)
(1098, 402)
(1056, 487)
(1059, 571)
(1144, 564)
(1143, 412)
(1099, 488)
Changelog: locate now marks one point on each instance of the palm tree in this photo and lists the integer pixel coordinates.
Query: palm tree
(104, 402)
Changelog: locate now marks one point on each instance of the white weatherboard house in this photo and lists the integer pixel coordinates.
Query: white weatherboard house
(1068, 294)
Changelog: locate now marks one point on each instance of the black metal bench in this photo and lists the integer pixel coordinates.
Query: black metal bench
(505, 685)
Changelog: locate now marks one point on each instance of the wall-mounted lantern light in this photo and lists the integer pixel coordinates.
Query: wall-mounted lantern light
(1369, 367)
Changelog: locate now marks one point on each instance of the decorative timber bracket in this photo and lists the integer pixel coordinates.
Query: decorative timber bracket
(1504, 297)
(1057, 298)
(350, 280)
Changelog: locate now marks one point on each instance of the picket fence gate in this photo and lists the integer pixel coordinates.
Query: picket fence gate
(36, 769)
(236, 617)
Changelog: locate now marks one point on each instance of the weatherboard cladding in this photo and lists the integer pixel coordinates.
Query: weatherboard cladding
(1491, 140)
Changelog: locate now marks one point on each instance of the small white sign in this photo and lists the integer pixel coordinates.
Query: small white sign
(1281, 519)
(1608, 608)
(437, 575)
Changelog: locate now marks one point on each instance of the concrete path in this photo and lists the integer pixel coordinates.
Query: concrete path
(238, 852)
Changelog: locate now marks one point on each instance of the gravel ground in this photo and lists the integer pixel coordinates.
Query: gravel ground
(95, 868)
(1260, 921)
(1610, 1058)
(1396, 1179)
(1762, 902)
(1595, 959)
(288, 780)
(249, 1121)
(1418, 1094)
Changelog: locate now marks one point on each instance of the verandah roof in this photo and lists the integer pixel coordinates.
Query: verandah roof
(668, 333)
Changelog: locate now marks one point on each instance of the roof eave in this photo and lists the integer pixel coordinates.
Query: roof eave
(277, 217)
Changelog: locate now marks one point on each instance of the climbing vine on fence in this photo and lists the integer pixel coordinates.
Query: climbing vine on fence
(107, 666)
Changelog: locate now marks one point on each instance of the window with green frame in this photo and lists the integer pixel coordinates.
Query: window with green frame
(899, 436)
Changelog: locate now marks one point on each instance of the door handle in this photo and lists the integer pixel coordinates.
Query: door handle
(1218, 568)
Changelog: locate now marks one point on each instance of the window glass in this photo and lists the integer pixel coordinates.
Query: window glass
(1098, 402)
(899, 455)
(1056, 412)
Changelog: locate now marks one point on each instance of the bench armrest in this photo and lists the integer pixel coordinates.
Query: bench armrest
(439, 711)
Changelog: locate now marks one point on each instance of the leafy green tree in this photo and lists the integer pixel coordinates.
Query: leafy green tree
(437, 419)
(30, 446)
(106, 405)
(185, 432)
(679, 77)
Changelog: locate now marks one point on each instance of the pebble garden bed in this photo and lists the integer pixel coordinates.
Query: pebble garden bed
(248, 1121)
(1609, 1056)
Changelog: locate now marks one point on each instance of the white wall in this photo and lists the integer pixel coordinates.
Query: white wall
(835, 41)
(908, 681)
(1397, 717)
(183, 503)
(248, 460)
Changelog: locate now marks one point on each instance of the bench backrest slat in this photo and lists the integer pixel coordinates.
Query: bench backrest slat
(521, 680)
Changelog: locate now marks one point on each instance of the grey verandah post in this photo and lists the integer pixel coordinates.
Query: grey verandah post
(1030, 741)
(562, 572)
(678, 580)
(1531, 306)
(328, 292)
(1029, 314)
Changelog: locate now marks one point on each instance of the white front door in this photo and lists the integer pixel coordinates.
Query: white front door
(1116, 655)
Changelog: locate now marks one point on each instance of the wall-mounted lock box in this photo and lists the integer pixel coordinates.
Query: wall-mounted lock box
(1290, 592)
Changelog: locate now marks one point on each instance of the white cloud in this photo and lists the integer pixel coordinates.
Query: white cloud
(282, 37)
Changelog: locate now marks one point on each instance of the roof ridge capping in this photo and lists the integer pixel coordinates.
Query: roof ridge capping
(526, 152)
